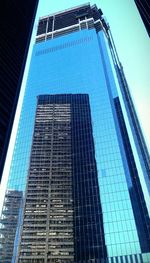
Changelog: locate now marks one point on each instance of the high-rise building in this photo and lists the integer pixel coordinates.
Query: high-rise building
(16, 24)
(9, 223)
(80, 158)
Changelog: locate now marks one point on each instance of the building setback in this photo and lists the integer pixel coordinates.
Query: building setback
(16, 24)
(75, 60)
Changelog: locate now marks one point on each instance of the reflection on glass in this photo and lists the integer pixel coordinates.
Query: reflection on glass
(73, 59)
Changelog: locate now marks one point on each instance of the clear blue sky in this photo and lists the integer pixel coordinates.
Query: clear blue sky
(132, 42)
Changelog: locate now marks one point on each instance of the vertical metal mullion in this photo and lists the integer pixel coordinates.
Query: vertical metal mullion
(46, 28)
(53, 26)
(49, 191)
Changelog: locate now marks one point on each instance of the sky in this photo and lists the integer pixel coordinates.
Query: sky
(133, 46)
(132, 43)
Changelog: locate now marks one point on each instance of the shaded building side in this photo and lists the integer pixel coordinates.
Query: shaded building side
(16, 24)
(144, 10)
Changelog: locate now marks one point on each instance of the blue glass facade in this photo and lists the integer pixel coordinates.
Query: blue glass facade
(79, 62)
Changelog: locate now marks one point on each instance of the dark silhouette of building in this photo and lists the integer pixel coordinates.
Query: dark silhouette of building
(16, 24)
(144, 10)
(62, 207)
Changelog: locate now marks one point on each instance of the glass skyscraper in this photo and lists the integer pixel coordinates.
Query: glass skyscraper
(80, 166)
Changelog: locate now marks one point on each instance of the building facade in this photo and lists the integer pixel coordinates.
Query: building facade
(15, 35)
(97, 147)
(9, 222)
(62, 218)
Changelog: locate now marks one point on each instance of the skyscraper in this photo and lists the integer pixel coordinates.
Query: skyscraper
(15, 35)
(80, 144)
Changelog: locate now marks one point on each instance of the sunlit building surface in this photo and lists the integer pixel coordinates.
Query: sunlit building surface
(80, 158)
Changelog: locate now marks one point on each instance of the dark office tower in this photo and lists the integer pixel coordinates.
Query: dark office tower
(62, 215)
(144, 10)
(9, 222)
(75, 54)
(16, 23)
